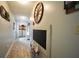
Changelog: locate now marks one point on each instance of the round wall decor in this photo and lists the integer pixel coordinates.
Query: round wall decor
(38, 12)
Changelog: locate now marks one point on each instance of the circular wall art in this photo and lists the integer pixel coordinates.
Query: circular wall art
(38, 12)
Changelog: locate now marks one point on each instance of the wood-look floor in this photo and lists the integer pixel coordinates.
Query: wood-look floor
(19, 50)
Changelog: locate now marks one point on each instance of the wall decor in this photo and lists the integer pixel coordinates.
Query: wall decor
(38, 12)
(71, 6)
(22, 27)
(4, 13)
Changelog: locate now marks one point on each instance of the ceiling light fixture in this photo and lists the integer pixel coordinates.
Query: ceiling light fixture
(23, 2)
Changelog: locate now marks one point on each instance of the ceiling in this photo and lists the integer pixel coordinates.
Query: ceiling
(21, 10)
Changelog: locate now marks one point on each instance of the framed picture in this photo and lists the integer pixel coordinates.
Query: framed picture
(4, 13)
(71, 6)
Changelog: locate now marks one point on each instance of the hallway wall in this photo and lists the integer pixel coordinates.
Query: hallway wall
(6, 31)
(65, 41)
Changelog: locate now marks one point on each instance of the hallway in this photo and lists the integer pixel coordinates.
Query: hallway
(42, 29)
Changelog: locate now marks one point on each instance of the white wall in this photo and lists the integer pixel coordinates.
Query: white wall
(65, 43)
(6, 31)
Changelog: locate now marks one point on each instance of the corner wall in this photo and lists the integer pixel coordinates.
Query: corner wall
(6, 31)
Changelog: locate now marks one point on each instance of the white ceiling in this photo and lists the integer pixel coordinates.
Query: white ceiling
(21, 10)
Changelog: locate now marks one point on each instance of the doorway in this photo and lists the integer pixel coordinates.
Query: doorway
(23, 30)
